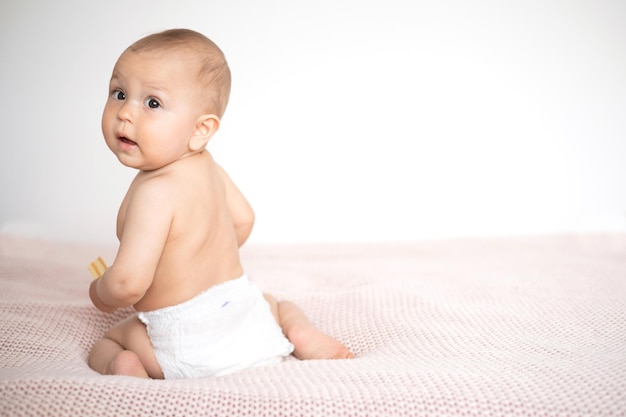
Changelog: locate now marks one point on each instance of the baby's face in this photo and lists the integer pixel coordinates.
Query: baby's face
(152, 109)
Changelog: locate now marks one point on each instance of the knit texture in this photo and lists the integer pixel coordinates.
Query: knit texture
(475, 327)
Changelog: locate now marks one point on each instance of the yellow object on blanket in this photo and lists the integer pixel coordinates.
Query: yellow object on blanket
(97, 268)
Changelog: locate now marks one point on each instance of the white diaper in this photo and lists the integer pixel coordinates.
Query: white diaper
(227, 328)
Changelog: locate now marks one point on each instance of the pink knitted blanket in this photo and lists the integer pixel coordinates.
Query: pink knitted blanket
(477, 327)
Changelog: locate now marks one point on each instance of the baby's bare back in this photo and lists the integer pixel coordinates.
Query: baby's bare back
(200, 247)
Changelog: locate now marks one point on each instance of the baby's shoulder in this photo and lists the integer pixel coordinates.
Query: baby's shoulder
(154, 186)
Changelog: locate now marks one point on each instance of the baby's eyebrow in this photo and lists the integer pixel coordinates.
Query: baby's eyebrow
(155, 87)
(114, 79)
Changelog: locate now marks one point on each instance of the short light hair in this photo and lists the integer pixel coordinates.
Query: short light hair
(213, 73)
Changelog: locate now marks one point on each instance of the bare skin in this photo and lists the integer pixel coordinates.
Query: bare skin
(182, 215)
(309, 342)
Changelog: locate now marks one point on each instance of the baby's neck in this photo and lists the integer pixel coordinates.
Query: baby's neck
(199, 153)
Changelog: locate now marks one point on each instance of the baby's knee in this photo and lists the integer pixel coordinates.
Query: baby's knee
(127, 363)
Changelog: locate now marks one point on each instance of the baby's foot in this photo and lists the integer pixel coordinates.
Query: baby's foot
(311, 343)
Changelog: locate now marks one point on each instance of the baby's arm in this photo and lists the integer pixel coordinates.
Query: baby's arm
(240, 209)
(146, 226)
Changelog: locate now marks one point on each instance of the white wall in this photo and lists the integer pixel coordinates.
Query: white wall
(349, 120)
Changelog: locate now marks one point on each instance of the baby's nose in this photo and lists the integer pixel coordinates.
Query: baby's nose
(126, 112)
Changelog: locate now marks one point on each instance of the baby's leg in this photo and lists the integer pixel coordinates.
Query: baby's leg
(309, 342)
(125, 350)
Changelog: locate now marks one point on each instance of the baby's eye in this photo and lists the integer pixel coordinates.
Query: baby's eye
(118, 95)
(153, 103)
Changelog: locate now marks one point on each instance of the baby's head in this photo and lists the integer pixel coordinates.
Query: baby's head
(167, 94)
(213, 74)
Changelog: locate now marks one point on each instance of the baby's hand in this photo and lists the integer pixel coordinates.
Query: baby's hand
(97, 268)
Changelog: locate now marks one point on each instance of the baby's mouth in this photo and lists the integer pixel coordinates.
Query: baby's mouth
(126, 141)
(126, 144)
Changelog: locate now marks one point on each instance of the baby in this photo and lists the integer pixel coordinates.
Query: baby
(180, 227)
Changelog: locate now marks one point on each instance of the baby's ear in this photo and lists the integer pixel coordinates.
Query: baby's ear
(206, 126)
